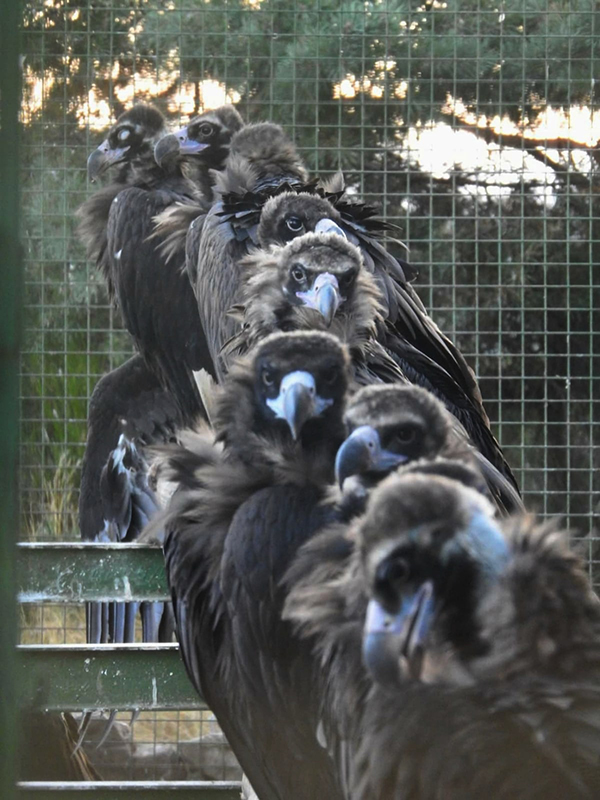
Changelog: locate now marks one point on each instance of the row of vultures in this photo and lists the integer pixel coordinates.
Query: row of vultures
(429, 202)
(357, 591)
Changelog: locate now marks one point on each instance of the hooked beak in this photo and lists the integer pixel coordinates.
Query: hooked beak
(327, 225)
(298, 401)
(102, 158)
(362, 452)
(323, 296)
(394, 645)
(177, 144)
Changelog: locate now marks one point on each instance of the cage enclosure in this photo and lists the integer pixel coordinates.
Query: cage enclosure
(472, 125)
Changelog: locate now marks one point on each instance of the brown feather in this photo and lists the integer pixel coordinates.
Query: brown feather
(522, 720)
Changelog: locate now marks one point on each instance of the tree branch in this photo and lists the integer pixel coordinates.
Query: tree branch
(537, 148)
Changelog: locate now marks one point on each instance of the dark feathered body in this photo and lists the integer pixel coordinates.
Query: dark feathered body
(392, 411)
(155, 298)
(234, 531)
(259, 153)
(511, 707)
(129, 400)
(408, 346)
(117, 226)
(268, 301)
(128, 410)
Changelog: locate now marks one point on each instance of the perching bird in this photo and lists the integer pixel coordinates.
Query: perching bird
(128, 410)
(389, 425)
(210, 134)
(261, 155)
(116, 224)
(315, 282)
(319, 281)
(233, 528)
(481, 643)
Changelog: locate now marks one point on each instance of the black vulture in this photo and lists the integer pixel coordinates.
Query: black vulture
(128, 411)
(260, 155)
(460, 655)
(391, 424)
(319, 281)
(116, 224)
(232, 529)
(209, 133)
(315, 282)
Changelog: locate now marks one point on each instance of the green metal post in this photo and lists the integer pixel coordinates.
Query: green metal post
(10, 301)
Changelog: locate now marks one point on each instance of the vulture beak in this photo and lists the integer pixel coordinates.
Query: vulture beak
(166, 149)
(362, 452)
(324, 296)
(177, 144)
(298, 401)
(327, 225)
(102, 158)
(394, 644)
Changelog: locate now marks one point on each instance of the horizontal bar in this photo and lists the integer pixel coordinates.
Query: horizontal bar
(86, 677)
(74, 572)
(106, 790)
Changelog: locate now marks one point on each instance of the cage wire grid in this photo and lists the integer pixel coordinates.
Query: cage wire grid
(473, 125)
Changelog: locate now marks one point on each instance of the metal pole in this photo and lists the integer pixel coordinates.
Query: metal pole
(10, 304)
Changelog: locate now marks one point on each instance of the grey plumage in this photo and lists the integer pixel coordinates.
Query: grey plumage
(391, 424)
(273, 297)
(395, 339)
(497, 679)
(260, 154)
(205, 140)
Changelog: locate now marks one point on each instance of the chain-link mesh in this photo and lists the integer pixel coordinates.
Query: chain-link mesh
(474, 125)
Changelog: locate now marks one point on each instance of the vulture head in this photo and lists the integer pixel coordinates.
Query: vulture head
(430, 548)
(290, 214)
(132, 137)
(457, 597)
(306, 285)
(206, 137)
(289, 390)
(269, 154)
(391, 425)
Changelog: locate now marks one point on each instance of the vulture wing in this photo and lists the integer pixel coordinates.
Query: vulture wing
(128, 409)
(270, 674)
(155, 297)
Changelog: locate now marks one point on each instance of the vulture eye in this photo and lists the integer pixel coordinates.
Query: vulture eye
(331, 377)
(294, 224)
(124, 134)
(405, 435)
(346, 279)
(268, 378)
(298, 273)
(392, 573)
(206, 129)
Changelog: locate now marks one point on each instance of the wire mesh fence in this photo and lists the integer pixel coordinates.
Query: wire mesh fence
(473, 125)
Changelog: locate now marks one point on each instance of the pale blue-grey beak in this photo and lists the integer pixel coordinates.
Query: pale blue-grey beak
(362, 452)
(298, 401)
(327, 225)
(175, 145)
(323, 296)
(102, 158)
(393, 644)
